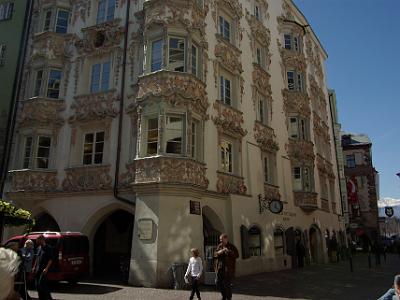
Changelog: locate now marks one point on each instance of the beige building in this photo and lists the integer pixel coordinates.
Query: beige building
(156, 133)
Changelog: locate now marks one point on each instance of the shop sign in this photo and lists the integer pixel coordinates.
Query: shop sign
(145, 229)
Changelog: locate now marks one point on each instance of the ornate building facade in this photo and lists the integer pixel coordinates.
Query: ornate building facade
(154, 126)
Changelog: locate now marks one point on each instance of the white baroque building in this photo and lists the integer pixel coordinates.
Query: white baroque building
(153, 126)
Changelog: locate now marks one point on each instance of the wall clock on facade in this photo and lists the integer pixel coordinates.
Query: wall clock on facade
(276, 206)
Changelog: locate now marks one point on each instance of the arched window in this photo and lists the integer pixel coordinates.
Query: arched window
(254, 241)
(279, 242)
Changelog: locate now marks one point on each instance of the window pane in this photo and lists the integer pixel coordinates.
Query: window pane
(62, 21)
(299, 82)
(100, 136)
(98, 158)
(194, 140)
(173, 135)
(110, 10)
(152, 136)
(227, 98)
(105, 77)
(47, 21)
(290, 78)
(87, 159)
(43, 152)
(288, 41)
(89, 138)
(38, 83)
(95, 78)
(227, 30)
(27, 152)
(156, 55)
(296, 43)
(194, 60)
(266, 170)
(259, 56)
(294, 128)
(53, 87)
(177, 54)
(101, 12)
(226, 156)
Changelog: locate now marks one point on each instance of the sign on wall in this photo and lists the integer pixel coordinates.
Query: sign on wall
(145, 229)
(389, 211)
(195, 208)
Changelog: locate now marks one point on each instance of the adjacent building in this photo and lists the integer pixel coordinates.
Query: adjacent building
(362, 188)
(13, 25)
(154, 126)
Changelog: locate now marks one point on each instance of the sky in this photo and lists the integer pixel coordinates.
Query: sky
(362, 38)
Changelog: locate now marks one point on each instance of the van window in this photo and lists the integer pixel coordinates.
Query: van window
(75, 245)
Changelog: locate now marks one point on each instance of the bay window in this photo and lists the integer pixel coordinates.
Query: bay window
(174, 134)
(302, 178)
(176, 54)
(292, 42)
(51, 90)
(36, 152)
(299, 128)
(156, 55)
(93, 148)
(195, 141)
(295, 81)
(53, 84)
(56, 20)
(195, 60)
(38, 83)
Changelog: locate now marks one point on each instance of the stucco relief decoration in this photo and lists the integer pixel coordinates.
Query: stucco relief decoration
(296, 102)
(230, 184)
(314, 58)
(261, 81)
(100, 38)
(81, 9)
(318, 97)
(158, 170)
(41, 112)
(98, 106)
(229, 120)
(265, 137)
(33, 181)
(87, 179)
(325, 167)
(51, 46)
(258, 30)
(301, 151)
(306, 200)
(271, 192)
(228, 57)
(128, 177)
(177, 89)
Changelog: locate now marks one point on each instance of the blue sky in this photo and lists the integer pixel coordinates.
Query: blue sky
(362, 38)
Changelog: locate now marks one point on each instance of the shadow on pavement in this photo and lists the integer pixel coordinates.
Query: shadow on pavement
(83, 288)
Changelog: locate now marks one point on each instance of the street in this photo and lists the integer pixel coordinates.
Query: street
(322, 282)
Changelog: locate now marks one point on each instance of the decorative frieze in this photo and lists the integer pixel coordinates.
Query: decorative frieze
(96, 106)
(261, 81)
(307, 201)
(33, 181)
(265, 137)
(80, 9)
(301, 151)
(100, 39)
(41, 112)
(51, 46)
(325, 167)
(234, 7)
(229, 120)
(171, 170)
(314, 58)
(296, 102)
(87, 178)
(271, 192)
(178, 89)
(230, 184)
(258, 31)
(228, 57)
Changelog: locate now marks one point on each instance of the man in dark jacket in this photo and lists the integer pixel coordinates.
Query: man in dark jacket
(225, 261)
(43, 262)
(394, 293)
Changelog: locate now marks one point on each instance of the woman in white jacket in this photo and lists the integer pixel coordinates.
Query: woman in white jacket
(193, 272)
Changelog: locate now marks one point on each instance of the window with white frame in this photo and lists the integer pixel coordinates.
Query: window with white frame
(93, 148)
(279, 242)
(3, 54)
(27, 152)
(62, 21)
(176, 54)
(262, 110)
(151, 135)
(292, 42)
(302, 178)
(105, 11)
(56, 20)
(156, 55)
(269, 166)
(195, 61)
(43, 152)
(195, 142)
(254, 241)
(53, 84)
(260, 56)
(6, 10)
(299, 128)
(226, 89)
(295, 81)
(100, 77)
(225, 28)
(174, 128)
(226, 151)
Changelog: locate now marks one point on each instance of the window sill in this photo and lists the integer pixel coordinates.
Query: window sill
(40, 98)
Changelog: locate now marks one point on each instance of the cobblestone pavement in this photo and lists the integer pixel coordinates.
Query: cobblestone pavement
(319, 282)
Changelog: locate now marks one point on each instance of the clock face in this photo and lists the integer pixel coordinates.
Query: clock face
(276, 206)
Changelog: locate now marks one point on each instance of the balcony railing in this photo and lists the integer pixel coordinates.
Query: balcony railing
(301, 150)
(230, 184)
(307, 201)
(27, 180)
(87, 178)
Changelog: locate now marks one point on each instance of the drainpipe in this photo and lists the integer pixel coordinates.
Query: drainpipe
(15, 96)
(121, 110)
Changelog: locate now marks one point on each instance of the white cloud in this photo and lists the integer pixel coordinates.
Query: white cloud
(388, 202)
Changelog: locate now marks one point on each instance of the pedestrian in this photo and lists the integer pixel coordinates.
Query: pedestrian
(26, 255)
(393, 293)
(225, 261)
(301, 253)
(42, 265)
(194, 272)
(9, 263)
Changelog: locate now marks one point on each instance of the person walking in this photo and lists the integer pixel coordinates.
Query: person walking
(26, 254)
(301, 253)
(225, 261)
(194, 272)
(43, 263)
(393, 293)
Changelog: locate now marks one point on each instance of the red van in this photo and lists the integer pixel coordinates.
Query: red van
(71, 252)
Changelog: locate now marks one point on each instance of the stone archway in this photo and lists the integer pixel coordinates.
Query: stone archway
(315, 240)
(45, 222)
(112, 246)
(212, 229)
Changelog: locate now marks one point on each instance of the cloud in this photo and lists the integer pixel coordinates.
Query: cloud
(388, 202)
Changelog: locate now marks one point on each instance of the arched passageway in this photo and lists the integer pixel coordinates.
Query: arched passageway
(45, 222)
(315, 239)
(112, 246)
